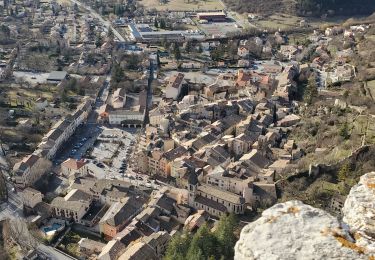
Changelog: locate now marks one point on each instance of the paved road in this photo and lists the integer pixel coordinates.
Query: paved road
(106, 24)
(90, 131)
(53, 253)
(13, 207)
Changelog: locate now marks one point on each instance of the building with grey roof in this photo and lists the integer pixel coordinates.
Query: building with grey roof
(57, 76)
(144, 33)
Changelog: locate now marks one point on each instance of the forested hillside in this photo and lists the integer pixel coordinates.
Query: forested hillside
(303, 7)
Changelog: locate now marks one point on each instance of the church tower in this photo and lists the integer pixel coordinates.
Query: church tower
(192, 187)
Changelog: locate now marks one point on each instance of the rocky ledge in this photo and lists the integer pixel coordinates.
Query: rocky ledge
(359, 212)
(293, 230)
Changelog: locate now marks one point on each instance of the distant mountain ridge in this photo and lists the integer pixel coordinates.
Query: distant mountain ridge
(303, 7)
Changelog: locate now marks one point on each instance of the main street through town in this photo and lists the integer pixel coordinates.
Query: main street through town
(106, 24)
(85, 135)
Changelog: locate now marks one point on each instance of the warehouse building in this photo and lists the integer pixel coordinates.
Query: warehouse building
(213, 16)
(144, 33)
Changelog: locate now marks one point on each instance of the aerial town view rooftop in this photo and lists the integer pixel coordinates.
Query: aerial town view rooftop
(187, 129)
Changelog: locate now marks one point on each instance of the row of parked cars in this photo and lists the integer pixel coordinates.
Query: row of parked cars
(99, 164)
(123, 167)
(78, 145)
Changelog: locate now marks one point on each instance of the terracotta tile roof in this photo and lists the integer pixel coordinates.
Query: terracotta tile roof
(73, 164)
(176, 80)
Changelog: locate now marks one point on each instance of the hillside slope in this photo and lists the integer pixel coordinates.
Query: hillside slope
(303, 7)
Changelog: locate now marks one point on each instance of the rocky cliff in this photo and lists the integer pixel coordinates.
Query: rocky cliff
(359, 212)
(293, 230)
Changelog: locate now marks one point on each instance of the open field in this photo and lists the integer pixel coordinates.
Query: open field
(183, 5)
(371, 87)
(281, 21)
(365, 124)
(31, 93)
(285, 21)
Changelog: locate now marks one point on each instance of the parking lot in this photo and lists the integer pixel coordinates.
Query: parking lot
(32, 78)
(77, 146)
(110, 149)
(113, 152)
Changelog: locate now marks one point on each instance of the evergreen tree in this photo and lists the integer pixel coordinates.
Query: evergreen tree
(311, 90)
(176, 51)
(64, 96)
(178, 247)
(205, 244)
(195, 253)
(158, 59)
(118, 73)
(118, 10)
(75, 7)
(165, 43)
(343, 172)
(344, 131)
(156, 24)
(99, 40)
(189, 46)
(133, 61)
(225, 235)
(203, 241)
(162, 24)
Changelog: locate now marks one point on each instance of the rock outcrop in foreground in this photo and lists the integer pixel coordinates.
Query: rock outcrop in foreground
(359, 212)
(293, 230)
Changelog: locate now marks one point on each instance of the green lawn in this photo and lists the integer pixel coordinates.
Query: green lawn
(281, 21)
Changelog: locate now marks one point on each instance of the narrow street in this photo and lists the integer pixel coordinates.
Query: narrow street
(13, 207)
(149, 92)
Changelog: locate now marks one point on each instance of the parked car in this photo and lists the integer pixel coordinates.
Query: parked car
(100, 165)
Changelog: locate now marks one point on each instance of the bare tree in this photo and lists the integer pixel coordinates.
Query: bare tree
(16, 230)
